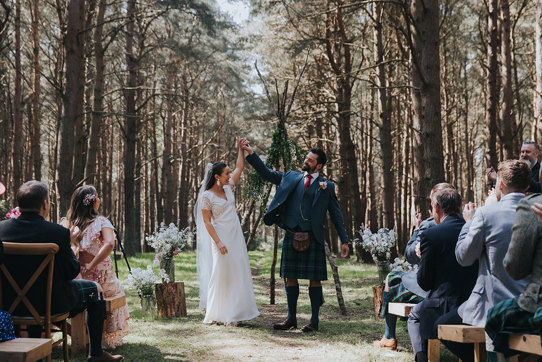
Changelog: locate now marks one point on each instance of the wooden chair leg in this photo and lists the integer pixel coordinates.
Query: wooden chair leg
(433, 350)
(480, 352)
(79, 333)
(65, 340)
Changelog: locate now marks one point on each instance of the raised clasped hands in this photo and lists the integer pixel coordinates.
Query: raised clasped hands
(468, 211)
(417, 219)
(244, 144)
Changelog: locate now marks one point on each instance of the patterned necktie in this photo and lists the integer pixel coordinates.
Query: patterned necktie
(308, 181)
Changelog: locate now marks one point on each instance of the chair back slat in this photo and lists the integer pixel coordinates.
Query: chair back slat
(46, 249)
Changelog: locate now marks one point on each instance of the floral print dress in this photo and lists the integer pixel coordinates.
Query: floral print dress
(116, 324)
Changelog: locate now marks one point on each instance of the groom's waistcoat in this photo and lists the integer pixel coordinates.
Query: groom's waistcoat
(298, 207)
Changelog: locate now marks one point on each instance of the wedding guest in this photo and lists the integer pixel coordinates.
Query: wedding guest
(68, 295)
(485, 238)
(93, 245)
(448, 283)
(522, 314)
(529, 152)
(400, 286)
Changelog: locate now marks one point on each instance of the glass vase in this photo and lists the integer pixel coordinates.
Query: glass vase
(148, 306)
(383, 268)
(168, 264)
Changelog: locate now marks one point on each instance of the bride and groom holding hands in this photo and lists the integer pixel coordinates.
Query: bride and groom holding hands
(300, 205)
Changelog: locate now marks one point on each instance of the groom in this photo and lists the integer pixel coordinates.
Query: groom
(299, 206)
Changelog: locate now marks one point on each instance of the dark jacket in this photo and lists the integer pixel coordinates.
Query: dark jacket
(449, 284)
(324, 200)
(32, 228)
(535, 187)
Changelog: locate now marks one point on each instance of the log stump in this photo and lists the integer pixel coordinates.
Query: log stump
(170, 300)
(378, 298)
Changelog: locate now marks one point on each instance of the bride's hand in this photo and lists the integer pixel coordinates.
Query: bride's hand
(222, 248)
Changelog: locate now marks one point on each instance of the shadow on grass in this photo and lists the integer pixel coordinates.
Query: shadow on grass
(131, 352)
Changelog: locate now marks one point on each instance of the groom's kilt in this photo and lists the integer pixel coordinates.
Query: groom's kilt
(308, 264)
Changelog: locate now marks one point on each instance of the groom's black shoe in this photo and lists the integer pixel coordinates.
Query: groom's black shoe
(309, 328)
(284, 326)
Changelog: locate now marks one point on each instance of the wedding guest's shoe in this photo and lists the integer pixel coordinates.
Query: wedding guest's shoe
(287, 324)
(386, 343)
(309, 328)
(106, 356)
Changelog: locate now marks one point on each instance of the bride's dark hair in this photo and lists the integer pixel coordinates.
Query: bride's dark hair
(217, 169)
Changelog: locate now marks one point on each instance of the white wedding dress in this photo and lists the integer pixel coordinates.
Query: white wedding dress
(230, 293)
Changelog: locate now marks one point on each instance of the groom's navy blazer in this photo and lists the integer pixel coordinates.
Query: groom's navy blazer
(324, 199)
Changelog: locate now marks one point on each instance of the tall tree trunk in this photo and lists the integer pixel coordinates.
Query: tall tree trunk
(492, 83)
(17, 107)
(36, 133)
(429, 160)
(167, 160)
(97, 109)
(537, 129)
(386, 146)
(509, 128)
(73, 99)
(130, 134)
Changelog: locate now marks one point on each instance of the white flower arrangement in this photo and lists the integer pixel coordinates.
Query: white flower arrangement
(169, 241)
(378, 244)
(142, 281)
(402, 265)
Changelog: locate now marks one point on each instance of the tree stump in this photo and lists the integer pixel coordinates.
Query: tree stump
(170, 300)
(378, 298)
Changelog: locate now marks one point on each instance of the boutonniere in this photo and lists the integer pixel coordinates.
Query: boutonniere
(323, 185)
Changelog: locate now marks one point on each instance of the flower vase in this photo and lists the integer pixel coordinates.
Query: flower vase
(383, 268)
(148, 306)
(168, 264)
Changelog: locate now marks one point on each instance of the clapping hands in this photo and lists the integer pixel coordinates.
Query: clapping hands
(468, 211)
(537, 209)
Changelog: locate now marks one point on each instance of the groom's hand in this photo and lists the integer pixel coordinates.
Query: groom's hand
(245, 145)
(344, 250)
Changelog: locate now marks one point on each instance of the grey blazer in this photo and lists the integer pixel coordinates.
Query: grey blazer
(524, 256)
(486, 239)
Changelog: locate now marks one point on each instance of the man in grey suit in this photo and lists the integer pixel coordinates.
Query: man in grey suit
(485, 238)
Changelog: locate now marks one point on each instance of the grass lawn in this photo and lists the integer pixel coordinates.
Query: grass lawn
(340, 337)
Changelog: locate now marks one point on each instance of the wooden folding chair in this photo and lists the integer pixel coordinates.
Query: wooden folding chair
(48, 250)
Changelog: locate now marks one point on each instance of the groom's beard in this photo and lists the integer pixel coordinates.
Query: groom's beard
(307, 168)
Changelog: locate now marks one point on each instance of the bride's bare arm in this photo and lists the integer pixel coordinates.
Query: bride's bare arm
(212, 232)
(240, 165)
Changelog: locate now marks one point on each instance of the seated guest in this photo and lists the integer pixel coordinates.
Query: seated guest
(68, 295)
(523, 314)
(448, 283)
(93, 245)
(402, 287)
(529, 152)
(485, 238)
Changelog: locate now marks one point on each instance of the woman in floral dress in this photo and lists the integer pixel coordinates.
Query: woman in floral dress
(93, 245)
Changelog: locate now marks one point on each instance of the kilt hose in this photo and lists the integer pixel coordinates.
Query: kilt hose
(309, 264)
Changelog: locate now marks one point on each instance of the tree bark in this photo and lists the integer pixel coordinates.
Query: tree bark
(386, 146)
(98, 107)
(36, 133)
(509, 128)
(73, 100)
(429, 160)
(537, 129)
(130, 134)
(492, 87)
(17, 153)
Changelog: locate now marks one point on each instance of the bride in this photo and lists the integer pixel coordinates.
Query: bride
(226, 291)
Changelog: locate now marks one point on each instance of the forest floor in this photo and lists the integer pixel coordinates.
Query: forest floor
(340, 337)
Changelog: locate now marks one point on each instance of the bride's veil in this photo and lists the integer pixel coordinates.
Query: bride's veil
(204, 252)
